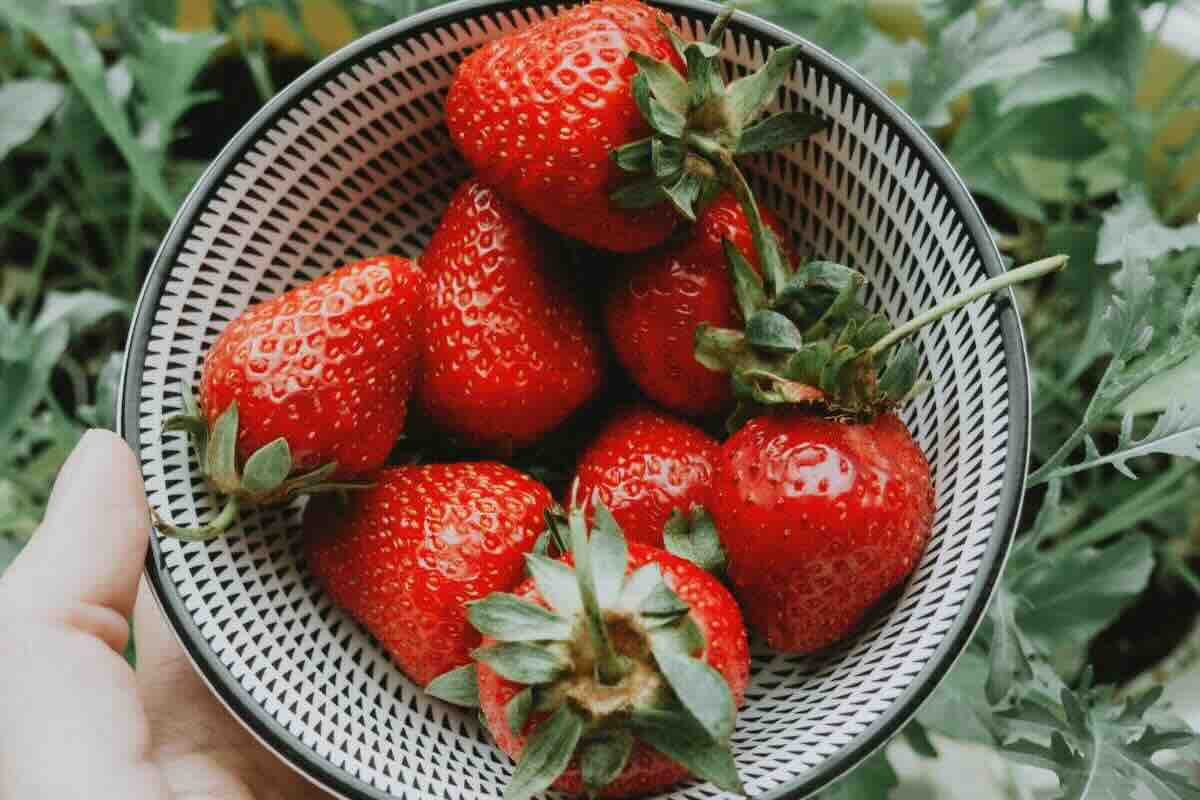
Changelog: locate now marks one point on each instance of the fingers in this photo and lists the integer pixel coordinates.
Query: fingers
(81, 567)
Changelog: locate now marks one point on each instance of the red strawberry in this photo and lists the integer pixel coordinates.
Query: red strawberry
(645, 466)
(537, 114)
(406, 554)
(554, 116)
(654, 309)
(819, 519)
(508, 354)
(311, 386)
(628, 668)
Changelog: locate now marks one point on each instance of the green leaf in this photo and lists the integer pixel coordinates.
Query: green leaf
(703, 76)
(25, 105)
(973, 52)
(555, 582)
(701, 689)
(1131, 230)
(667, 157)
(1081, 72)
(75, 50)
(780, 131)
(458, 686)
(603, 758)
(663, 603)
(27, 361)
(222, 450)
(900, 375)
(662, 119)
(638, 586)
(1009, 666)
(772, 331)
(749, 96)
(609, 555)
(634, 157)
(719, 349)
(682, 739)
(873, 779)
(522, 662)
(546, 754)
(684, 193)
(664, 82)
(645, 193)
(267, 467)
(508, 618)
(682, 635)
(959, 708)
(517, 712)
(1176, 432)
(695, 538)
(77, 310)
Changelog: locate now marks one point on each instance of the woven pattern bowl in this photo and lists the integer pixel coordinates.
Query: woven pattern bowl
(353, 159)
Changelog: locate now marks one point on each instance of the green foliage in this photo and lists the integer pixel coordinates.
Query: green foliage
(100, 137)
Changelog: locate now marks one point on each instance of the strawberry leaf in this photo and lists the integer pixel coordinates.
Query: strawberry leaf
(694, 536)
(458, 686)
(267, 467)
(609, 555)
(774, 332)
(508, 618)
(747, 286)
(684, 194)
(780, 131)
(222, 451)
(517, 712)
(603, 758)
(638, 586)
(663, 605)
(522, 662)
(665, 84)
(662, 119)
(556, 582)
(749, 96)
(702, 691)
(546, 754)
(678, 736)
(635, 157)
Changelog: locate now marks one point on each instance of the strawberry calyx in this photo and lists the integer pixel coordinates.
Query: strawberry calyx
(694, 536)
(807, 337)
(610, 659)
(698, 123)
(266, 478)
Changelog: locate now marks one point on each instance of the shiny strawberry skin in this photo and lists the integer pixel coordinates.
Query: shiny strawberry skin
(405, 555)
(643, 466)
(726, 650)
(538, 112)
(509, 352)
(820, 519)
(653, 310)
(328, 366)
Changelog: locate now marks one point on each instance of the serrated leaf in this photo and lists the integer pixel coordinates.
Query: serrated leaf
(267, 467)
(458, 686)
(666, 85)
(772, 331)
(1132, 231)
(609, 555)
(508, 618)
(1176, 432)
(517, 712)
(546, 754)
(25, 105)
(603, 758)
(701, 689)
(780, 131)
(555, 582)
(222, 450)
(749, 96)
(522, 662)
(1009, 666)
(680, 738)
(694, 536)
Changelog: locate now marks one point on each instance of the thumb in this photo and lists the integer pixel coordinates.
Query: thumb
(82, 565)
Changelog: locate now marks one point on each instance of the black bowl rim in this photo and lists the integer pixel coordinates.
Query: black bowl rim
(321, 772)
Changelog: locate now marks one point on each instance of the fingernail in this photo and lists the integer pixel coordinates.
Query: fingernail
(66, 484)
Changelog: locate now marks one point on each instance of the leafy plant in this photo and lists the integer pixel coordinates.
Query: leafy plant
(106, 119)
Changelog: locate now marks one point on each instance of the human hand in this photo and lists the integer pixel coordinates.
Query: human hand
(75, 720)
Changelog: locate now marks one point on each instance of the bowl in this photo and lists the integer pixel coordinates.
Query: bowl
(353, 159)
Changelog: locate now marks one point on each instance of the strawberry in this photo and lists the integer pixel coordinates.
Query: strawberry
(509, 353)
(654, 309)
(819, 519)
(646, 467)
(308, 388)
(556, 115)
(406, 554)
(619, 677)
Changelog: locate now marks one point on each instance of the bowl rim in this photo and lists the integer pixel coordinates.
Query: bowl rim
(305, 761)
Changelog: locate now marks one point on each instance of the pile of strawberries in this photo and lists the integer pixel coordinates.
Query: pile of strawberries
(600, 641)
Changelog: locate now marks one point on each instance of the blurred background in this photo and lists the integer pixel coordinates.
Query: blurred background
(1077, 127)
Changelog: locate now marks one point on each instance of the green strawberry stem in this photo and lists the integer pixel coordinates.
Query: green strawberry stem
(1029, 272)
(204, 533)
(609, 665)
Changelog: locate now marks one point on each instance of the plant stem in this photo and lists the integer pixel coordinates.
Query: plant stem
(609, 669)
(205, 532)
(774, 267)
(1028, 272)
